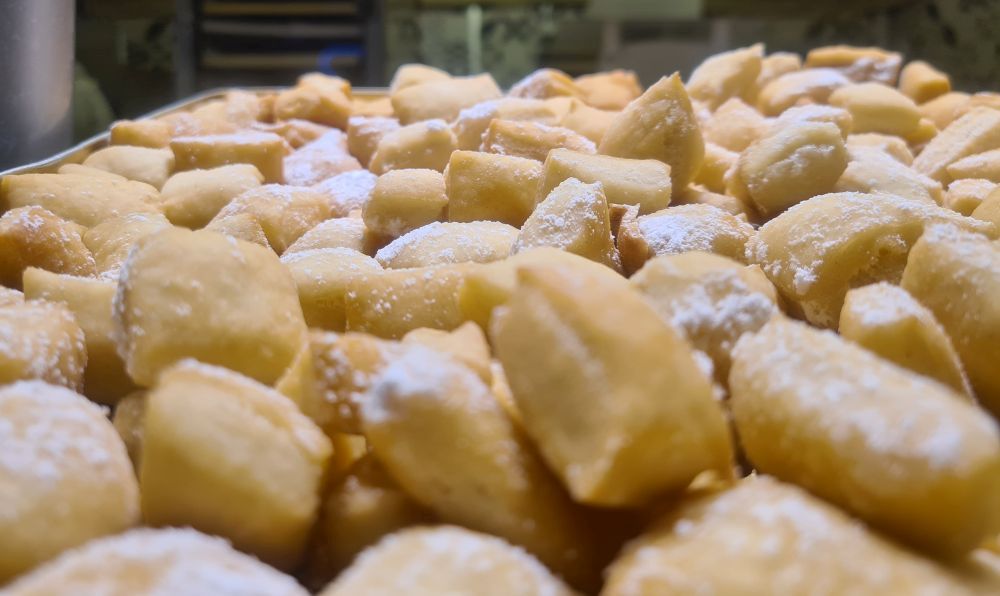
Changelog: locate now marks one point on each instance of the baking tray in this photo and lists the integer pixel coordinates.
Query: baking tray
(80, 151)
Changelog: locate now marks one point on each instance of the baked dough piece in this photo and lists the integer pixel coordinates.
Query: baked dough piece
(104, 380)
(466, 343)
(295, 132)
(716, 165)
(321, 276)
(41, 340)
(487, 186)
(390, 303)
(975, 132)
(643, 182)
(573, 217)
(472, 122)
(799, 87)
(168, 561)
(404, 200)
(924, 470)
(283, 212)
(610, 90)
(421, 145)
(877, 108)
(339, 232)
(543, 84)
(9, 297)
(590, 122)
(203, 295)
(725, 75)
(710, 299)
(328, 106)
(263, 150)
(895, 147)
(191, 199)
(944, 109)
(772, 66)
(872, 170)
(791, 164)
(141, 133)
(485, 288)
(240, 226)
(220, 450)
(659, 124)
(765, 537)
(921, 82)
(551, 346)
(442, 97)
(956, 275)
(319, 160)
(984, 165)
(142, 164)
(818, 250)
(886, 320)
(111, 241)
(360, 507)
(127, 420)
(734, 125)
(64, 476)
(86, 200)
(679, 229)
(408, 75)
(964, 196)
(34, 237)
(816, 113)
(446, 560)
(451, 242)
(531, 140)
(858, 63)
(364, 134)
(348, 192)
(439, 431)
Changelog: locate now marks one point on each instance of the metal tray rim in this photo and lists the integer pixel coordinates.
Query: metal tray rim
(176, 106)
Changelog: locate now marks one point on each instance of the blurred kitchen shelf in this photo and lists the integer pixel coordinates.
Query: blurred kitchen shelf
(304, 61)
(281, 9)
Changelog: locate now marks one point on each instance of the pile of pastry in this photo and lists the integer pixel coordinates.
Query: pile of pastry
(734, 335)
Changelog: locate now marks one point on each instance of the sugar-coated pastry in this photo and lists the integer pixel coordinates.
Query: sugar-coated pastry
(147, 561)
(206, 296)
(64, 476)
(41, 340)
(219, 449)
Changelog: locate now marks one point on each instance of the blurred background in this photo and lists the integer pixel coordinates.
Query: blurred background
(133, 56)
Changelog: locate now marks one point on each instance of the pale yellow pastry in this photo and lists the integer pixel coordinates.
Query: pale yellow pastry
(792, 164)
(240, 226)
(191, 199)
(818, 250)
(531, 140)
(64, 476)
(643, 182)
(659, 124)
(425, 404)
(422, 145)
(408, 75)
(858, 63)
(872, 170)
(440, 243)
(799, 87)
(734, 125)
(467, 343)
(111, 241)
(878, 108)
(404, 200)
(921, 82)
(104, 379)
(838, 116)
(364, 134)
(263, 150)
(127, 420)
(679, 229)
(886, 320)
(610, 90)
(347, 192)
(86, 200)
(710, 299)
(543, 84)
(765, 537)
(330, 107)
(219, 449)
(142, 164)
(725, 75)
(573, 217)
(718, 162)
(975, 132)
(321, 276)
(147, 561)
(41, 340)
(295, 132)
(473, 121)
(361, 506)
(446, 560)
(203, 295)
(956, 274)
(441, 97)
(588, 121)
(34, 237)
(984, 165)
(486, 186)
(141, 133)
(627, 439)
(895, 147)
(965, 195)
(944, 109)
(283, 212)
(339, 232)
(926, 471)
